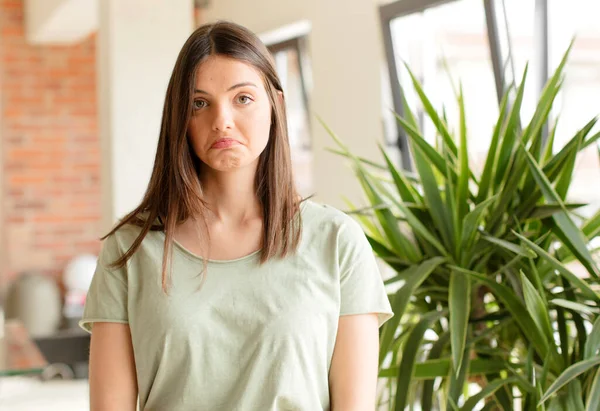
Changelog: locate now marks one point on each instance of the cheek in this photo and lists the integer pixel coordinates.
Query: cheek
(261, 127)
(196, 130)
(194, 135)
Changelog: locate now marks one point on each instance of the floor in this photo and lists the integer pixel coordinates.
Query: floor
(31, 394)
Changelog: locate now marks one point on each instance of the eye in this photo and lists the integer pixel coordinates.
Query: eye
(243, 99)
(199, 104)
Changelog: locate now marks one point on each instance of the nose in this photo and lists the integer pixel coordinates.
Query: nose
(223, 117)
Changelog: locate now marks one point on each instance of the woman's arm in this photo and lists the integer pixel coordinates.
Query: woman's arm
(354, 366)
(113, 383)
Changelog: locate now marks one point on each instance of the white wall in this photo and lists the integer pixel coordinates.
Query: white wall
(346, 53)
(60, 21)
(3, 246)
(138, 43)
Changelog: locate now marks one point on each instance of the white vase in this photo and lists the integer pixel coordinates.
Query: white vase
(35, 300)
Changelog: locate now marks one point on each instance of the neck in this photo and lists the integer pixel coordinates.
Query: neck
(231, 196)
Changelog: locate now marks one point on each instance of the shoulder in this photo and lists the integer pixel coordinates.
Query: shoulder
(326, 219)
(121, 240)
(335, 234)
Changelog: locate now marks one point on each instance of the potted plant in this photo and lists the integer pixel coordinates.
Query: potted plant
(488, 313)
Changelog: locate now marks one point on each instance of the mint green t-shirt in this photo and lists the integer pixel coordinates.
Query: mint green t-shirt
(252, 337)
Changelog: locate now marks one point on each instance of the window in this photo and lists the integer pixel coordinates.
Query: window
(441, 53)
(485, 45)
(292, 67)
(579, 100)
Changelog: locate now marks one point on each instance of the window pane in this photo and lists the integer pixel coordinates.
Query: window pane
(579, 100)
(516, 24)
(443, 43)
(288, 68)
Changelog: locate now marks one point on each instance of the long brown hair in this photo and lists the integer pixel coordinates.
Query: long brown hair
(174, 193)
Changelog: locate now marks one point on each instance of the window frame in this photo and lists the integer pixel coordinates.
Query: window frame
(400, 8)
(299, 44)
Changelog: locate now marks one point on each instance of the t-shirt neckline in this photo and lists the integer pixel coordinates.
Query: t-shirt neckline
(251, 256)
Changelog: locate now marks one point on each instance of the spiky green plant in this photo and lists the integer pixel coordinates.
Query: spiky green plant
(489, 315)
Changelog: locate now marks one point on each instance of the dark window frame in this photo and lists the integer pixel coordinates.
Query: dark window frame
(399, 8)
(299, 44)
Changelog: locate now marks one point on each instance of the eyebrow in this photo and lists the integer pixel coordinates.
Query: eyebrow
(244, 84)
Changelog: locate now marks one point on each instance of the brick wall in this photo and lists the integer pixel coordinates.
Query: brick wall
(50, 188)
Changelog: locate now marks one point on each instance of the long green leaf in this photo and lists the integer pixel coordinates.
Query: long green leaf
(458, 380)
(591, 228)
(574, 306)
(471, 222)
(516, 308)
(573, 237)
(387, 221)
(569, 374)
(593, 402)
(559, 403)
(415, 223)
(489, 407)
(537, 281)
(510, 133)
(546, 99)
(401, 245)
(408, 112)
(588, 142)
(502, 397)
(429, 152)
(566, 174)
(427, 396)
(515, 248)
(437, 208)
(409, 358)
(488, 390)
(564, 271)
(361, 159)
(537, 308)
(369, 227)
(490, 162)
(441, 368)
(548, 210)
(401, 299)
(460, 308)
(552, 168)
(452, 208)
(381, 249)
(563, 336)
(451, 404)
(435, 118)
(545, 102)
(405, 189)
(592, 345)
(581, 334)
(462, 189)
(549, 145)
(574, 396)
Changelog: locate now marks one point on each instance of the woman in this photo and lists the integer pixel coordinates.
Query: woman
(222, 290)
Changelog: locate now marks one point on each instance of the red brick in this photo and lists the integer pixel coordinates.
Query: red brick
(59, 245)
(51, 156)
(19, 180)
(15, 220)
(87, 244)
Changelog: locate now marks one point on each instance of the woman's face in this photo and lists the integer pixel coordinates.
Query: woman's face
(231, 119)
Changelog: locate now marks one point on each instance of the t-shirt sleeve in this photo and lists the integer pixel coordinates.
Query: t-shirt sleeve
(106, 299)
(362, 288)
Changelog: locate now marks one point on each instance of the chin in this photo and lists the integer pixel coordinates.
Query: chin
(229, 160)
(232, 163)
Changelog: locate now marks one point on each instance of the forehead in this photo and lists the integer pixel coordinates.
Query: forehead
(219, 71)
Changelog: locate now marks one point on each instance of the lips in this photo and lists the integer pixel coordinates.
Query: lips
(224, 143)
